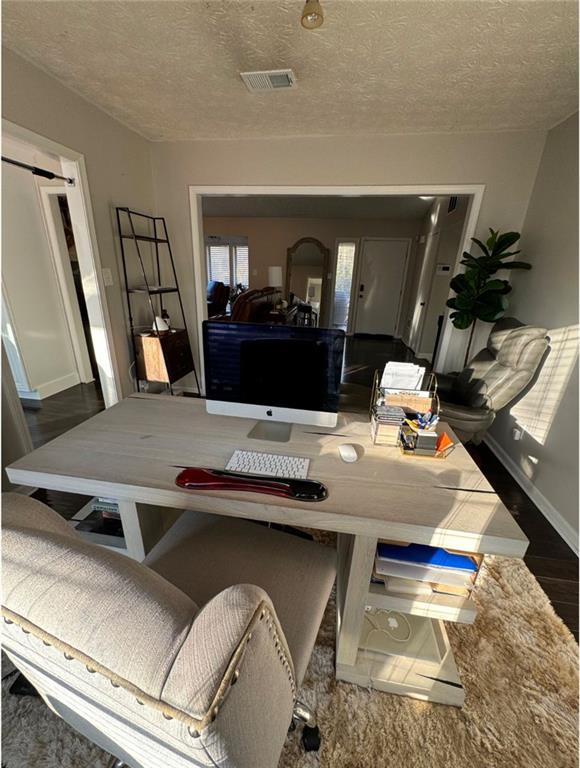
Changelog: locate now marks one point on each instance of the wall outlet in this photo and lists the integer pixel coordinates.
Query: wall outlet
(517, 433)
(107, 277)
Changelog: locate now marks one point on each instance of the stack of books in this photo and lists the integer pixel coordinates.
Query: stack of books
(386, 422)
(106, 507)
(418, 569)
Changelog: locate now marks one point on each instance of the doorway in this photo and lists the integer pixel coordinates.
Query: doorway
(67, 269)
(337, 203)
(381, 276)
(32, 151)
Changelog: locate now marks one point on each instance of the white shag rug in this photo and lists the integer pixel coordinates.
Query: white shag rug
(518, 663)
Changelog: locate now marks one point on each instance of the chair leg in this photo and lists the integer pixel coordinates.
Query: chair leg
(310, 733)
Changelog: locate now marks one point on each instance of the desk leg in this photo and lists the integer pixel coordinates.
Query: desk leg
(132, 530)
(144, 525)
(356, 555)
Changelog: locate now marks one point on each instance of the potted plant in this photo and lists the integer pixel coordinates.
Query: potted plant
(478, 297)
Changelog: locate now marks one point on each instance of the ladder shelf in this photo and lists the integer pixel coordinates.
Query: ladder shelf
(160, 356)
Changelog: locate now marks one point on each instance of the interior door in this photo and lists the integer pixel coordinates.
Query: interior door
(380, 288)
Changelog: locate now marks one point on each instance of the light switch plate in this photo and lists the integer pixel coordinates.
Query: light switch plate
(107, 276)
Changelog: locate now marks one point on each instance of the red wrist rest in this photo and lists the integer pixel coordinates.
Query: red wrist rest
(202, 478)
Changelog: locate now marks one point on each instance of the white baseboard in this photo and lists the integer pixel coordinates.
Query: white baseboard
(57, 385)
(555, 518)
(27, 394)
(178, 389)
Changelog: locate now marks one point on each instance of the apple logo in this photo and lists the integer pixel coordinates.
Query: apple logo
(268, 412)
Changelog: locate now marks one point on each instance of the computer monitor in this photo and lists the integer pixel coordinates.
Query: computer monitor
(276, 373)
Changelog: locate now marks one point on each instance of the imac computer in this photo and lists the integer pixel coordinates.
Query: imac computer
(278, 374)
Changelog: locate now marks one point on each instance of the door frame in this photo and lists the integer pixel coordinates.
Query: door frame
(198, 191)
(357, 273)
(64, 276)
(82, 220)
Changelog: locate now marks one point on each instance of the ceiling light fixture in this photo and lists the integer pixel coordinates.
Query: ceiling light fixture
(312, 15)
(425, 197)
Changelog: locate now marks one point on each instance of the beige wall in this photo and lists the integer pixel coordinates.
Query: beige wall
(547, 296)
(505, 162)
(269, 239)
(117, 159)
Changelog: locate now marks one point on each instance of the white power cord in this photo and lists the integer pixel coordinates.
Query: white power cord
(396, 618)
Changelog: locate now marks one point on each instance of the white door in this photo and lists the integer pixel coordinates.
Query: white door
(380, 286)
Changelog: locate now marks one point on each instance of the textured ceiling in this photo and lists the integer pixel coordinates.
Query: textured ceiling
(317, 206)
(170, 70)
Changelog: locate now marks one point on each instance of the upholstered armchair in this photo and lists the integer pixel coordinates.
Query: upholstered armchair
(492, 379)
(192, 658)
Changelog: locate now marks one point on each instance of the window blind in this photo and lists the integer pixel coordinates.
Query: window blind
(218, 258)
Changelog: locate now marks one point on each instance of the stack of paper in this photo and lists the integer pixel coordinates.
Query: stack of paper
(402, 377)
(444, 571)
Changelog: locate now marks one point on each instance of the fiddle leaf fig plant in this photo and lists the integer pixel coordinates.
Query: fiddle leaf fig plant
(478, 297)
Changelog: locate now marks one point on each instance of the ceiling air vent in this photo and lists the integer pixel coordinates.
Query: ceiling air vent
(270, 80)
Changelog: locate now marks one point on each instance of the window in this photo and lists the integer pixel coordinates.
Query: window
(228, 260)
(343, 282)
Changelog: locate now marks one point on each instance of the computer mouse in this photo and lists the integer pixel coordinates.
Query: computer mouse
(348, 453)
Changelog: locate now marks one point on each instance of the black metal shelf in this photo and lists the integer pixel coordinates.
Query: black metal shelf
(144, 238)
(177, 356)
(152, 291)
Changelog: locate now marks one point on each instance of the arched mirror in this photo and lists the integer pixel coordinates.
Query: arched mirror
(306, 271)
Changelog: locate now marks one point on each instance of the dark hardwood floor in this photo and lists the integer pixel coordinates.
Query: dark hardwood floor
(549, 558)
(54, 415)
(51, 418)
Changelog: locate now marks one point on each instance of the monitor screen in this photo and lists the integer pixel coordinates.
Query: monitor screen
(273, 365)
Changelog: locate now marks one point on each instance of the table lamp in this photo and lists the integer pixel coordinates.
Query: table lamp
(275, 277)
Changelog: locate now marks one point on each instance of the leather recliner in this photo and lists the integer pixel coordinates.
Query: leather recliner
(491, 380)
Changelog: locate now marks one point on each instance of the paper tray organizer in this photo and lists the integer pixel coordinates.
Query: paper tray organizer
(388, 434)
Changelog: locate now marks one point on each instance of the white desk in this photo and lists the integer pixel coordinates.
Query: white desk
(130, 452)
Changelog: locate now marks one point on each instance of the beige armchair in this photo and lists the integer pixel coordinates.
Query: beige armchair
(492, 379)
(193, 658)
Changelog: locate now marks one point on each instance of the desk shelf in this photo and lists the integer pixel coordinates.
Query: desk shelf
(433, 606)
(418, 678)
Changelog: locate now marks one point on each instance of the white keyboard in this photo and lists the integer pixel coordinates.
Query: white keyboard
(270, 464)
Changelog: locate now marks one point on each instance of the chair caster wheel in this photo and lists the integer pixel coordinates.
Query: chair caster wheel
(311, 739)
(22, 687)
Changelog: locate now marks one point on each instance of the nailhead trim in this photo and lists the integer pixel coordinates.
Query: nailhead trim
(278, 646)
(265, 613)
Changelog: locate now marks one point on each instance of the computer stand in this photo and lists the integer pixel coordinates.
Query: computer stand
(276, 431)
